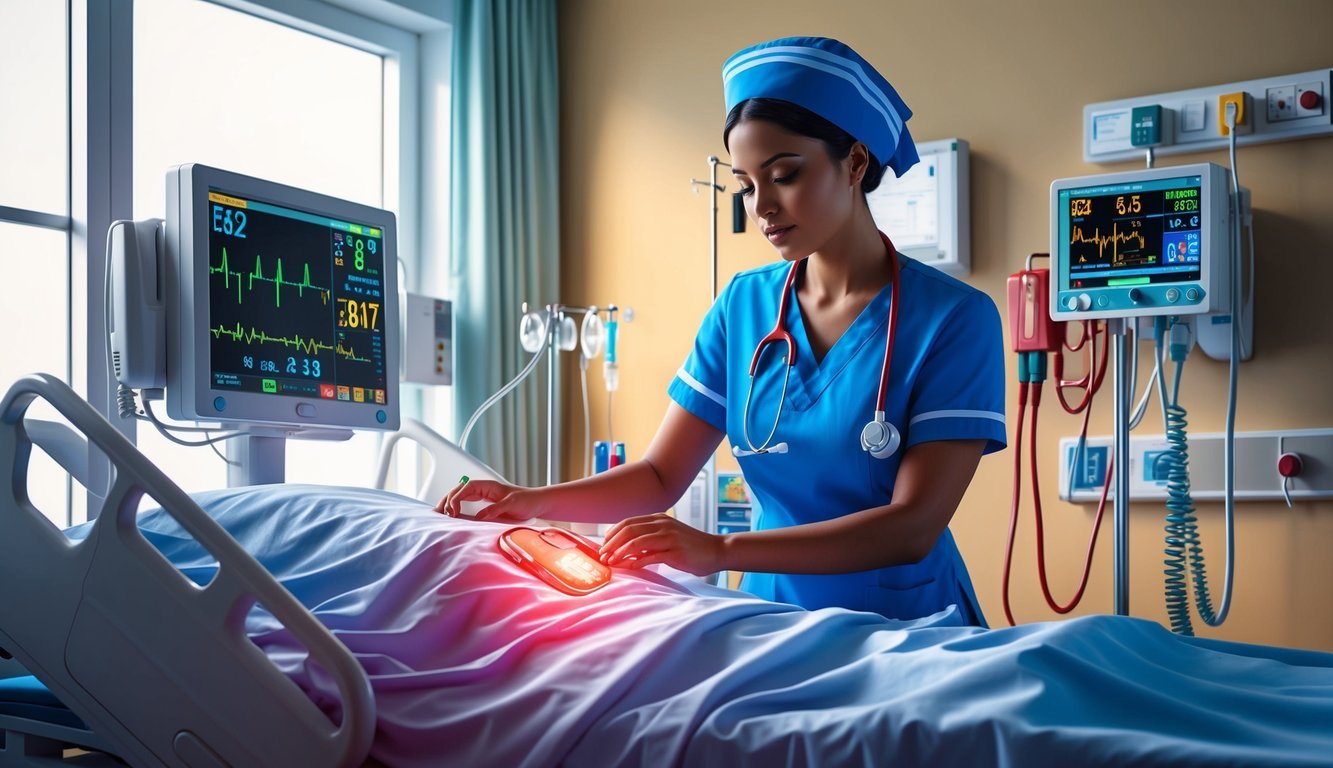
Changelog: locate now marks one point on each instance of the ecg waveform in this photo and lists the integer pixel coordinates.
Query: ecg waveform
(1114, 240)
(248, 280)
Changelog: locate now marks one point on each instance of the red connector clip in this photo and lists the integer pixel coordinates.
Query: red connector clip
(1031, 328)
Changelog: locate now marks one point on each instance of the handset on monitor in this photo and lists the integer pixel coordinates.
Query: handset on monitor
(562, 559)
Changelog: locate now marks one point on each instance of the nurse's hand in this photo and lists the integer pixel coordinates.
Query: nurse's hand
(510, 503)
(637, 541)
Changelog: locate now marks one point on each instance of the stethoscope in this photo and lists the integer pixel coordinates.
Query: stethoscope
(879, 438)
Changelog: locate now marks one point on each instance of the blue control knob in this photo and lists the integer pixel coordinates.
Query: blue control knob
(1135, 295)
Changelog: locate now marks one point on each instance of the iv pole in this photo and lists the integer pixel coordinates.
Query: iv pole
(710, 468)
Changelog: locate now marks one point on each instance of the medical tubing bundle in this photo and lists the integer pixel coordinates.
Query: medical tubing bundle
(1092, 380)
(1032, 374)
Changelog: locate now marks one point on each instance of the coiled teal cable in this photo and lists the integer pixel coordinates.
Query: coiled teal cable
(1182, 531)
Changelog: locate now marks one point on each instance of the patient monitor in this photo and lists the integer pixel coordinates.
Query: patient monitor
(1143, 243)
(281, 305)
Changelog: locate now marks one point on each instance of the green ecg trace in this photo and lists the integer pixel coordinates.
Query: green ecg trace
(258, 274)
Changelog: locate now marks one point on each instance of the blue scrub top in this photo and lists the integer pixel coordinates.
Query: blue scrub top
(946, 382)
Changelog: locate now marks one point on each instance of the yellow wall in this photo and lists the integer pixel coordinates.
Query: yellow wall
(641, 100)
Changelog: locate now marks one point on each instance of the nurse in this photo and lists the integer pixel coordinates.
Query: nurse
(855, 486)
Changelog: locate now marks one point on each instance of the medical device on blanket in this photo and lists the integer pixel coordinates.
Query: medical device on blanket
(278, 307)
(558, 557)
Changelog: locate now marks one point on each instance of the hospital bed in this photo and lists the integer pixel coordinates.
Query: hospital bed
(471, 662)
(144, 663)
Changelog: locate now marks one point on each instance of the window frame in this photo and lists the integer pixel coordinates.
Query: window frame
(100, 152)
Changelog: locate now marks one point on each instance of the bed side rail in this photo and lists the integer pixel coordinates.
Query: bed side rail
(448, 461)
(155, 664)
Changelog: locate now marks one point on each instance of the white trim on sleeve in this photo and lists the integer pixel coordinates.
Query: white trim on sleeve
(698, 386)
(957, 414)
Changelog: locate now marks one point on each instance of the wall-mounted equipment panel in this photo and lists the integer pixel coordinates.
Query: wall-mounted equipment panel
(1260, 466)
(1294, 106)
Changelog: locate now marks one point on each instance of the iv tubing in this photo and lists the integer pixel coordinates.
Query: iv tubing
(507, 388)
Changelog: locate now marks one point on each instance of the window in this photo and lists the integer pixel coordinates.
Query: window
(34, 223)
(220, 87)
(34, 122)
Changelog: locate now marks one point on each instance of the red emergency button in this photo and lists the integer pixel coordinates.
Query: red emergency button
(1289, 465)
(1310, 100)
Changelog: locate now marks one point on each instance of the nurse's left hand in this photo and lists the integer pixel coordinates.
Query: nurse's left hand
(637, 541)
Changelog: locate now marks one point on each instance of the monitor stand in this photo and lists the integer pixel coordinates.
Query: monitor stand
(260, 457)
(256, 460)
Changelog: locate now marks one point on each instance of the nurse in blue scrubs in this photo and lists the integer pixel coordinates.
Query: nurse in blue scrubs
(855, 487)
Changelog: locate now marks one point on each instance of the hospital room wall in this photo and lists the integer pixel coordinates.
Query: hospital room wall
(642, 110)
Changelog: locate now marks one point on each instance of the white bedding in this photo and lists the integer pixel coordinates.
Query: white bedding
(473, 662)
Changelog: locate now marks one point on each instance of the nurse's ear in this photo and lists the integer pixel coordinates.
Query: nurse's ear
(857, 163)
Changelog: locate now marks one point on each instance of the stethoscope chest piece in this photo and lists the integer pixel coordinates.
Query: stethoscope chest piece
(880, 438)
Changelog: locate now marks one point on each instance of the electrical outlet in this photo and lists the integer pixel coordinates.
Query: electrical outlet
(1244, 123)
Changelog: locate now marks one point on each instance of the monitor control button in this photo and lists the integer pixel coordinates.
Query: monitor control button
(1173, 295)
(1102, 301)
(305, 409)
(1084, 302)
(1192, 294)
(1135, 295)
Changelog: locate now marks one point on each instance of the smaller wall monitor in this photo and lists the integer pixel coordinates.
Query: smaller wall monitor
(926, 211)
(282, 305)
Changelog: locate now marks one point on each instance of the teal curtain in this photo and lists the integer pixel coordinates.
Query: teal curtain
(505, 245)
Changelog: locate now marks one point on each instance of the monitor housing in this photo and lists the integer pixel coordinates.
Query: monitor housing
(1144, 243)
(282, 306)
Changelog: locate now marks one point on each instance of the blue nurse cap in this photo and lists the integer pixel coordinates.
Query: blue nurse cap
(831, 80)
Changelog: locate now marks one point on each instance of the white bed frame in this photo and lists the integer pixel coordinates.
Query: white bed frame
(159, 669)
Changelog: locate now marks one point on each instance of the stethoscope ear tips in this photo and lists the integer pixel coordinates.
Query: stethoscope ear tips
(880, 438)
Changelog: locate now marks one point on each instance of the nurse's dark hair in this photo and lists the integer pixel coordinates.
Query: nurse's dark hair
(802, 122)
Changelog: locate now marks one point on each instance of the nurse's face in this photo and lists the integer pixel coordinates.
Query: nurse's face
(798, 195)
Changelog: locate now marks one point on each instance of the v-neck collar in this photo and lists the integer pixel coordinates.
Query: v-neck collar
(869, 326)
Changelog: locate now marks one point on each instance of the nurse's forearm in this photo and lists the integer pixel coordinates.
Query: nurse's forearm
(608, 497)
(896, 534)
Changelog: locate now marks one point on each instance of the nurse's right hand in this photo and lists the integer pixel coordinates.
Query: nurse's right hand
(510, 503)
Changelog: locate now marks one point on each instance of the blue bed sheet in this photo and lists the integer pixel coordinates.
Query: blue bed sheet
(475, 663)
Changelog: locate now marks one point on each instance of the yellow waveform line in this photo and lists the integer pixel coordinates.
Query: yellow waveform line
(258, 274)
(252, 335)
(349, 353)
(1114, 239)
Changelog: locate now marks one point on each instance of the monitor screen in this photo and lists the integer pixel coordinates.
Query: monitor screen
(1135, 233)
(285, 305)
(296, 302)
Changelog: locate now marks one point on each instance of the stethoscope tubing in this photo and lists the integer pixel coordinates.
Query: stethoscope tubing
(781, 334)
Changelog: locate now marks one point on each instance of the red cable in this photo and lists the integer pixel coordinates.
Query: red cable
(1096, 368)
(1018, 486)
(1036, 494)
